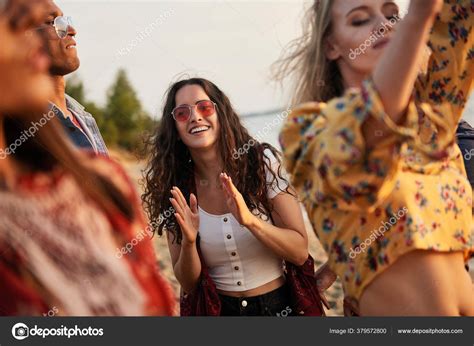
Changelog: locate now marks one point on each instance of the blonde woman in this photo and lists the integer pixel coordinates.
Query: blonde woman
(374, 157)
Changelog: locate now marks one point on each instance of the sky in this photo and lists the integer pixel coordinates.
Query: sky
(232, 43)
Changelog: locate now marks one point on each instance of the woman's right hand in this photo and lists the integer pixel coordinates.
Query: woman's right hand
(351, 307)
(325, 277)
(186, 215)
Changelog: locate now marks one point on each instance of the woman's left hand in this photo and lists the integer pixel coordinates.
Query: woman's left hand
(235, 201)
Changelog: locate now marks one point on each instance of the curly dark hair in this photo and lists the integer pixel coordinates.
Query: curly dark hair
(170, 161)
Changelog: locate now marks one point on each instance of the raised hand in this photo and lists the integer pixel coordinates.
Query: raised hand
(235, 201)
(186, 215)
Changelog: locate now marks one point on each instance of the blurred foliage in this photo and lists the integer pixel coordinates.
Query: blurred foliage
(123, 122)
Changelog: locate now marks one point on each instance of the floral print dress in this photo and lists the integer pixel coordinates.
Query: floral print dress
(369, 207)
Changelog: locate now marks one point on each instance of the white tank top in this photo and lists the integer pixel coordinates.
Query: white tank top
(237, 260)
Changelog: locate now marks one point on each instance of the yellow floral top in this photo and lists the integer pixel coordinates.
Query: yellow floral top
(370, 207)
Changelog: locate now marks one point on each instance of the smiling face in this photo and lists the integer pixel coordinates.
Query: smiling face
(62, 52)
(198, 132)
(361, 29)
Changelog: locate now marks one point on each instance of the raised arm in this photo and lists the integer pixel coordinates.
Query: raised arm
(450, 73)
(396, 72)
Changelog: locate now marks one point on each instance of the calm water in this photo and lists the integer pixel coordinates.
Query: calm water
(266, 128)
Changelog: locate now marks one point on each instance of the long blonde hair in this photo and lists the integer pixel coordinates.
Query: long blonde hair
(316, 77)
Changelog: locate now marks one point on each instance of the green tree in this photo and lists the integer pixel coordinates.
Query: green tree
(75, 89)
(123, 122)
(125, 112)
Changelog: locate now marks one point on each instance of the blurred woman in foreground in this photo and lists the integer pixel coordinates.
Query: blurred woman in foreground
(63, 215)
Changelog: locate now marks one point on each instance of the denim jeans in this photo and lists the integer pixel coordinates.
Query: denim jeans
(275, 303)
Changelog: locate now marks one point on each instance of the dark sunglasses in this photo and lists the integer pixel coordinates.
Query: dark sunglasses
(205, 108)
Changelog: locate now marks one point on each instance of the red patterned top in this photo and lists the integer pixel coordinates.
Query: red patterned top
(61, 254)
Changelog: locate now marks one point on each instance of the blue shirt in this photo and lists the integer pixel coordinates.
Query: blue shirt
(89, 138)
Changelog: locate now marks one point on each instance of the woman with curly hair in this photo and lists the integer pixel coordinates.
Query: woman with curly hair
(372, 150)
(242, 218)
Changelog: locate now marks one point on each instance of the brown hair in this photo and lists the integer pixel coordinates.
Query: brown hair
(50, 148)
(170, 162)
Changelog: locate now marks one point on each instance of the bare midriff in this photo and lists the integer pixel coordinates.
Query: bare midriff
(268, 287)
(421, 283)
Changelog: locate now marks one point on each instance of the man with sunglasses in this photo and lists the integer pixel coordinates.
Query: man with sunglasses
(58, 33)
